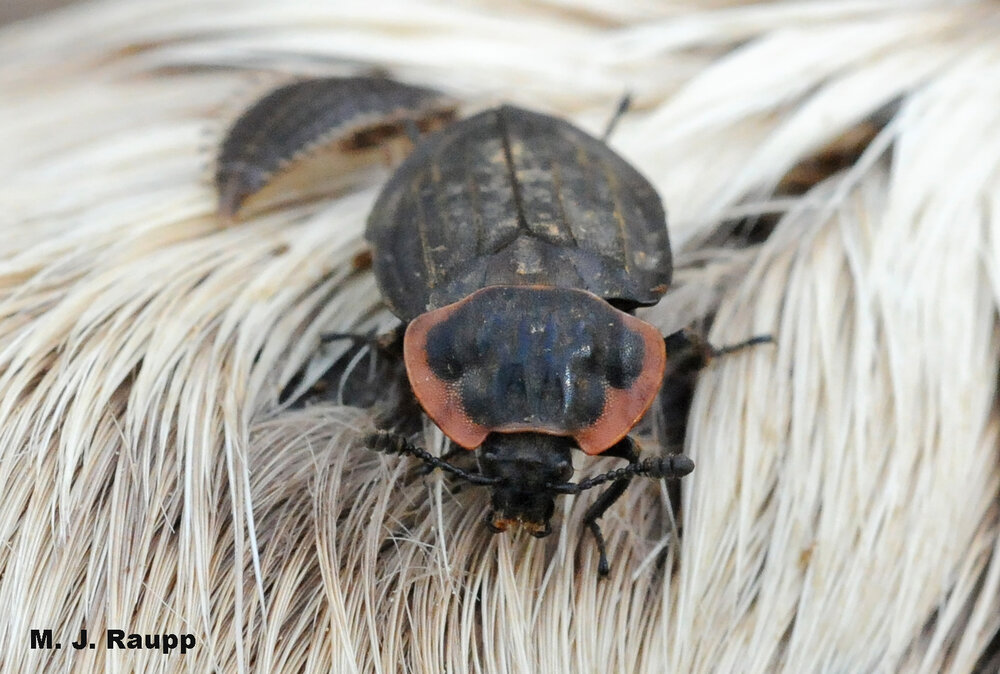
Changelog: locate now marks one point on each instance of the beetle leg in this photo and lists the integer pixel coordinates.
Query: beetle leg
(383, 387)
(356, 337)
(401, 410)
(401, 413)
(596, 510)
(389, 343)
(343, 384)
(739, 346)
(669, 466)
(625, 449)
(387, 442)
(688, 352)
(687, 355)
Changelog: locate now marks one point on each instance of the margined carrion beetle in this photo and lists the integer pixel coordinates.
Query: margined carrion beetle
(515, 247)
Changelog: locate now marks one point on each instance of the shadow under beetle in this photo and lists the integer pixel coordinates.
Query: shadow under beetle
(515, 247)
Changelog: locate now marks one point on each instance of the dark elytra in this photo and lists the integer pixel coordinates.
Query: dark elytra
(512, 244)
(513, 197)
(354, 112)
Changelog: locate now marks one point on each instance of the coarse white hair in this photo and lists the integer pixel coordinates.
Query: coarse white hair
(843, 515)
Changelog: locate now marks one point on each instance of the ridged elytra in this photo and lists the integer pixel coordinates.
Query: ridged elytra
(515, 247)
(354, 116)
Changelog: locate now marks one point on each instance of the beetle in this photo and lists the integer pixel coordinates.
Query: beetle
(515, 248)
(354, 114)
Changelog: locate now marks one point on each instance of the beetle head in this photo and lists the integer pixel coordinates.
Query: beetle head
(525, 465)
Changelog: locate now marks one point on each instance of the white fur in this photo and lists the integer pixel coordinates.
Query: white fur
(843, 513)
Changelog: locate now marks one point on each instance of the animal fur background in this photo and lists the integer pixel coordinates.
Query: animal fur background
(843, 516)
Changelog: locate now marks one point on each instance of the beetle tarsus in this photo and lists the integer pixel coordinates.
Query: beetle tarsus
(739, 346)
(595, 512)
(688, 351)
(603, 568)
(356, 337)
(672, 466)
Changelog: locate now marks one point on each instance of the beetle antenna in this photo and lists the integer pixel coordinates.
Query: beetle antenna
(388, 442)
(672, 466)
(623, 107)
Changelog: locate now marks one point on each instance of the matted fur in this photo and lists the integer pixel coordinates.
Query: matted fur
(843, 514)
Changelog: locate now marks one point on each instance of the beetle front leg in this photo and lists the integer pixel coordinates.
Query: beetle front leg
(383, 385)
(624, 449)
(687, 354)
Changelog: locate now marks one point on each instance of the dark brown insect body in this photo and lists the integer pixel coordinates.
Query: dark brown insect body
(515, 245)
